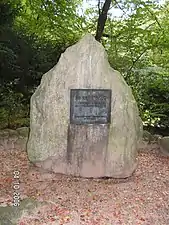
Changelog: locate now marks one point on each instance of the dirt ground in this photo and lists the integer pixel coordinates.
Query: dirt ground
(140, 199)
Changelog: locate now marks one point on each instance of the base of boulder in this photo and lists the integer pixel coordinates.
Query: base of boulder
(88, 169)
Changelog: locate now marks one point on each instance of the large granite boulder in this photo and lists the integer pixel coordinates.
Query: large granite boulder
(104, 150)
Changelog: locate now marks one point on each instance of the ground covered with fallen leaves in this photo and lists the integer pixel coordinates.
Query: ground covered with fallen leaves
(140, 199)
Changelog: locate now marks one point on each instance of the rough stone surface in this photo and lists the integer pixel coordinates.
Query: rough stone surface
(14, 139)
(164, 145)
(148, 137)
(157, 137)
(23, 131)
(102, 150)
(10, 215)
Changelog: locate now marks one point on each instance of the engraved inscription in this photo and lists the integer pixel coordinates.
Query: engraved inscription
(90, 106)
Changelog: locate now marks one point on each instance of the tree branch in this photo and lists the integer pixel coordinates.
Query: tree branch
(102, 20)
(136, 60)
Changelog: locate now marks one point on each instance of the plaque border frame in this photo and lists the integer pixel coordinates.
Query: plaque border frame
(88, 89)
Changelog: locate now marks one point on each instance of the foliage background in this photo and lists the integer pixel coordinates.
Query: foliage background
(34, 33)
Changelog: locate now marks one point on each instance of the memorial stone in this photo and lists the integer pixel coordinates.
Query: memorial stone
(84, 120)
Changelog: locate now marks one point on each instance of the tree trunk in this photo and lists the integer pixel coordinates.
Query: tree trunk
(102, 20)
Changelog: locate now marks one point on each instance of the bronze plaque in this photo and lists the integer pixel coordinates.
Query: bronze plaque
(90, 106)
